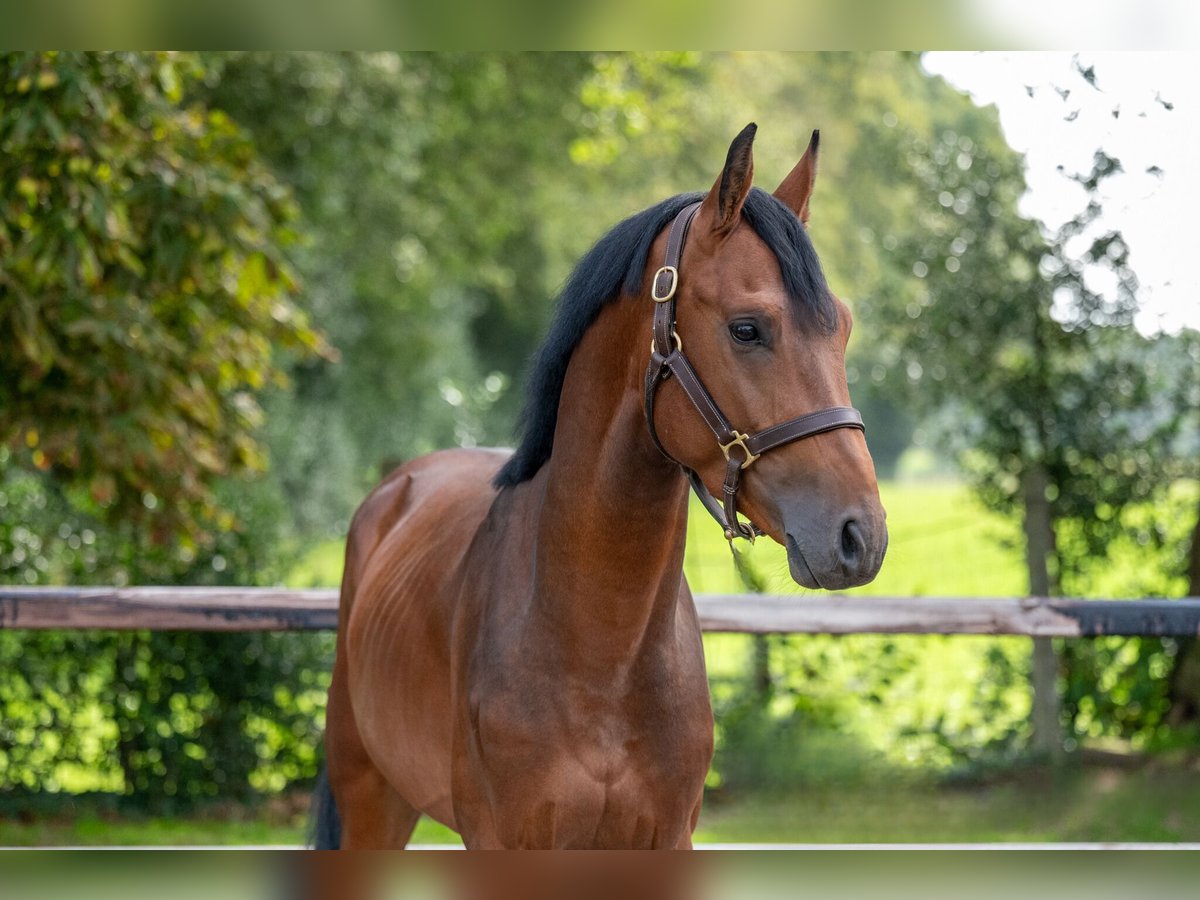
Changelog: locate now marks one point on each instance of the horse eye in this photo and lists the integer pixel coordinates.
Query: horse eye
(744, 332)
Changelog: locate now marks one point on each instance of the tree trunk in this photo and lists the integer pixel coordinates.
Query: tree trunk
(1185, 677)
(1039, 542)
(761, 674)
(1194, 558)
(126, 709)
(760, 651)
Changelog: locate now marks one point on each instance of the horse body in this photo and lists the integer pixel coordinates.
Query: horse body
(525, 665)
(525, 679)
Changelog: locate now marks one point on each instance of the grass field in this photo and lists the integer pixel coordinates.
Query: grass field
(1154, 802)
(941, 542)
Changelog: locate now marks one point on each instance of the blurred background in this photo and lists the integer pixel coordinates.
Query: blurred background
(235, 288)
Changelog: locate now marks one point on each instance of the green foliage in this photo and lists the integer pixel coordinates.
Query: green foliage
(765, 724)
(169, 719)
(991, 731)
(42, 536)
(1125, 689)
(142, 284)
(423, 182)
(145, 299)
(807, 710)
(190, 731)
(790, 742)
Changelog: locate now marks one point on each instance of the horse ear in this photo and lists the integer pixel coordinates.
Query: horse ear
(723, 205)
(797, 188)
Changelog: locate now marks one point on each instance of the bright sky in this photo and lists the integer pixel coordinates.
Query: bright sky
(1108, 25)
(1157, 213)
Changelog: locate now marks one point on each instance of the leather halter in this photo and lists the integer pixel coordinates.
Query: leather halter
(740, 450)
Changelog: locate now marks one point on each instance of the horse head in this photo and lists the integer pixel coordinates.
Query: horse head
(756, 324)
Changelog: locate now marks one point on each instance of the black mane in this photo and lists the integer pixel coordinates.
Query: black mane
(616, 266)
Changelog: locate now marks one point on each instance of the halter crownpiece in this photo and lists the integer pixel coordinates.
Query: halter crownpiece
(740, 449)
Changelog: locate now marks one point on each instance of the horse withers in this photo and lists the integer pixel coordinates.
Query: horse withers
(518, 653)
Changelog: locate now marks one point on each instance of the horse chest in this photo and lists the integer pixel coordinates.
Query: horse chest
(576, 772)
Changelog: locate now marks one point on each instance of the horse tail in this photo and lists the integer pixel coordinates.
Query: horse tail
(325, 825)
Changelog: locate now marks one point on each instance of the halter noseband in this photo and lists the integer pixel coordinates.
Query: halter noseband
(666, 359)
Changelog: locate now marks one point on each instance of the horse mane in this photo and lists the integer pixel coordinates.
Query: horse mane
(615, 266)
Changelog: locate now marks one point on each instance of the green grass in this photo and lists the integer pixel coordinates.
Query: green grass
(942, 542)
(319, 567)
(96, 820)
(1156, 802)
(1095, 804)
(92, 831)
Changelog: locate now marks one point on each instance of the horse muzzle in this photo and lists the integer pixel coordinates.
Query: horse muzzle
(846, 555)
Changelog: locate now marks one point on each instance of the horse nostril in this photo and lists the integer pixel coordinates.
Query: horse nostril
(853, 545)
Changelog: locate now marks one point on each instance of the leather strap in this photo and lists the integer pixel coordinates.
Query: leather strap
(740, 450)
(700, 397)
(804, 426)
(666, 281)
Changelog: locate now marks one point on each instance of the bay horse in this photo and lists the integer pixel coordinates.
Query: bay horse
(518, 652)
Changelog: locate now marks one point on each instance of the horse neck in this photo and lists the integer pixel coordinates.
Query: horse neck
(613, 519)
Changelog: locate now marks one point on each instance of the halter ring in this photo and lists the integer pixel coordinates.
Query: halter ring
(678, 346)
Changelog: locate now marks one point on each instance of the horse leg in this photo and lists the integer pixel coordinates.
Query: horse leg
(373, 815)
(685, 840)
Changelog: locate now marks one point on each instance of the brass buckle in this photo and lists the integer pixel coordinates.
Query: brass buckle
(739, 440)
(674, 273)
(678, 345)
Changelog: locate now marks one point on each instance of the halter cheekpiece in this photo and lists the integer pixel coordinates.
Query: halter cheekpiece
(740, 449)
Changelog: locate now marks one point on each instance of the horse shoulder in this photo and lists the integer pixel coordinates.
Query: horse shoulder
(407, 547)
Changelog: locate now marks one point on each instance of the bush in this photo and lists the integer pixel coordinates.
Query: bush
(165, 718)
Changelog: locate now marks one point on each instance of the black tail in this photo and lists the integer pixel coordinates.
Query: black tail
(325, 825)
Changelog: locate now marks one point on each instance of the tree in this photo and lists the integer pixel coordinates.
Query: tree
(1184, 681)
(421, 181)
(146, 301)
(1051, 392)
(143, 285)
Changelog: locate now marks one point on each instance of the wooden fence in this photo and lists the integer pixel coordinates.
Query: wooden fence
(282, 609)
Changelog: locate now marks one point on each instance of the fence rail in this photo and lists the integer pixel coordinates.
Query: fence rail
(283, 609)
